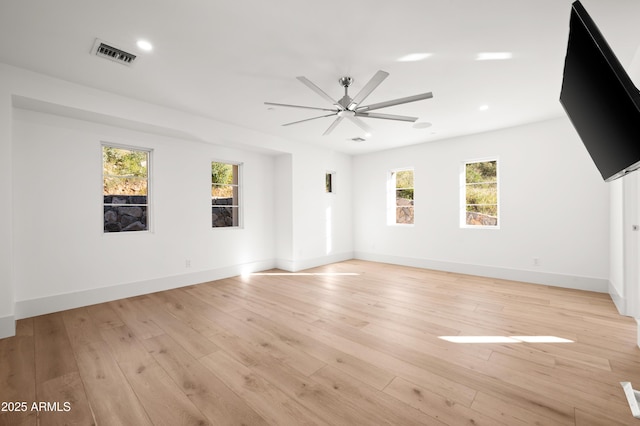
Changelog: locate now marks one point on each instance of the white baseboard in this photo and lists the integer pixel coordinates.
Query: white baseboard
(61, 302)
(7, 326)
(299, 265)
(600, 285)
(618, 300)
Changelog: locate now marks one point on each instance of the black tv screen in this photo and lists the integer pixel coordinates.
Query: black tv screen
(600, 99)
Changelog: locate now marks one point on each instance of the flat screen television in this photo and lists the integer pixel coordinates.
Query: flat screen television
(600, 99)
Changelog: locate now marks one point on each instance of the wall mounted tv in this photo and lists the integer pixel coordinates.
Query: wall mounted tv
(600, 99)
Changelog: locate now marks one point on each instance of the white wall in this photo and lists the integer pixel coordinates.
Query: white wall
(554, 206)
(624, 278)
(322, 223)
(283, 181)
(6, 226)
(61, 256)
(616, 243)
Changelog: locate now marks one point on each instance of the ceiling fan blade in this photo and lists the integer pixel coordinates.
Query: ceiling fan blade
(308, 119)
(400, 101)
(368, 88)
(333, 126)
(298, 106)
(386, 116)
(319, 91)
(364, 126)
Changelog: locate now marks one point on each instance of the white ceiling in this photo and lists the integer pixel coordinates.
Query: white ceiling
(223, 59)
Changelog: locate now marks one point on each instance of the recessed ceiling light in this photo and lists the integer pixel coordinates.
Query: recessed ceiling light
(483, 107)
(493, 56)
(413, 57)
(145, 45)
(421, 125)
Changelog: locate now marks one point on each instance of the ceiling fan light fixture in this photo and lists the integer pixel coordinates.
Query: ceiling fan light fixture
(346, 113)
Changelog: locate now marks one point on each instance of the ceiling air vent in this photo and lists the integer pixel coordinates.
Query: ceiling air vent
(112, 53)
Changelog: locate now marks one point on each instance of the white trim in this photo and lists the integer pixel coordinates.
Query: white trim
(7, 326)
(599, 285)
(291, 265)
(61, 302)
(617, 299)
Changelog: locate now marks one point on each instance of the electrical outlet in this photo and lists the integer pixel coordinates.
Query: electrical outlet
(536, 261)
(187, 263)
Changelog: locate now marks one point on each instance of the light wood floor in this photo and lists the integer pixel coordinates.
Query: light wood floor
(353, 343)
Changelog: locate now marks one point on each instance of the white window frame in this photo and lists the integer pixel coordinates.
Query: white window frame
(238, 184)
(463, 194)
(149, 205)
(391, 196)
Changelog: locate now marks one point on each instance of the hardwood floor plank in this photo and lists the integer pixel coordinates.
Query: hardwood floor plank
(195, 343)
(57, 375)
(54, 356)
(266, 399)
(437, 382)
(277, 348)
(104, 316)
(112, 400)
(17, 377)
(366, 372)
(443, 409)
(163, 401)
(585, 417)
(519, 411)
(214, 399)
(384, 408)
(135, 317)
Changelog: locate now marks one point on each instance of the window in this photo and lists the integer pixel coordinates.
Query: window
(480, 194)
(225, 195)
(328, 182)
(125, 183)
(400, 197)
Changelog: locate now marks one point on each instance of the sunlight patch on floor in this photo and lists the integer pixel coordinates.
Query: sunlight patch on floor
(322, 274)
(505, 339)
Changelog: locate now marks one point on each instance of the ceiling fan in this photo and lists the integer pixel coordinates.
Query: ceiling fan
(350, 108)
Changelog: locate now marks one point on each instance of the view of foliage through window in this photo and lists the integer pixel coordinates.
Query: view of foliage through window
(221, 180)
(481, 193)
(124, 171)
